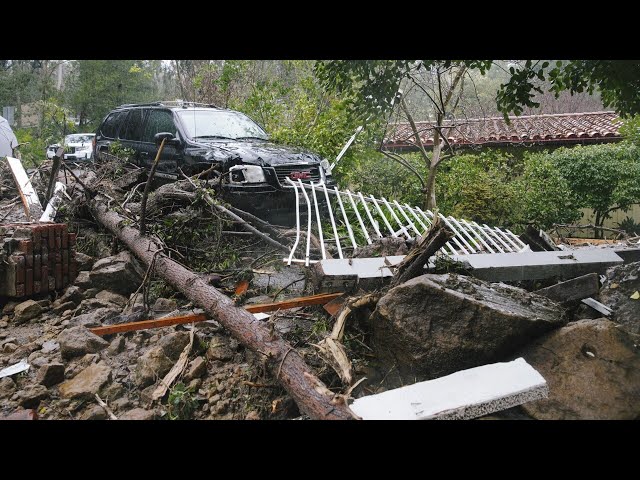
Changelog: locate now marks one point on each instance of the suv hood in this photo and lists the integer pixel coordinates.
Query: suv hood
(258, 152)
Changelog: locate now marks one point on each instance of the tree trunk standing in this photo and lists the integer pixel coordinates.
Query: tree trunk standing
(430, 190)
(311, 395)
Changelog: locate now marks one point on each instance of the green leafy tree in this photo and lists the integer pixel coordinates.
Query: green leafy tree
(604, 178)
(98, 86)
(544, 196)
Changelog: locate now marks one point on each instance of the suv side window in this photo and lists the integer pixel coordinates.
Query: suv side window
(133, 126)
(111, 124)
(158, 121)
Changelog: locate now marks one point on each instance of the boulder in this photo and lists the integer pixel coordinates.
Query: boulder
(197, 368)
(73, 294)
(94, 413)
(50, 374)
(592, 368)
(110, 297)
(174, 343)
(7, 387)
(94, 318)
(26, 311)
(31, 396)
(618, 293)
(119, 273)
(138, 414)
(117, 346)
(164, 305)
(434, 325)
(151, 366)
(77, 341)
(86, 383)
(83, 280)
(85, 262)
(219, 349)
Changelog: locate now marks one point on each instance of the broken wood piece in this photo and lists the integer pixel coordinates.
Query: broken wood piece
(571, 290)
(242, 287)
(55, 167)
(175, 371)
(293, 302)
(333, 352)
(310, 394)
(106, 408)
(28, 195)
(145, 324)
(334, 305)
(462, 395)
(211, 202)
(538, 240)
(413, 264)
(52, 207)
(597, 306)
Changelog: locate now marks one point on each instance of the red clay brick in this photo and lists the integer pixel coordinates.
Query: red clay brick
(58, 276)
(37, 267)
(28, 282)
(20, 290)
(37, 286)
(44, 278)
(20, 267)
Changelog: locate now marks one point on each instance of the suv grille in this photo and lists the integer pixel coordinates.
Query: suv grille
(306, 173)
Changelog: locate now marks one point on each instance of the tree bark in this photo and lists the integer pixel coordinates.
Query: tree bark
(311, 395)
(413, 264)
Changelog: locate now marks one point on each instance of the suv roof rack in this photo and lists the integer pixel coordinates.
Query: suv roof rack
(170, 103)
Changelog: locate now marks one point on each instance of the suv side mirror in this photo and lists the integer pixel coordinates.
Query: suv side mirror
(168, 137)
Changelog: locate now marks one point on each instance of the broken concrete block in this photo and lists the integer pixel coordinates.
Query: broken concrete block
(434, 325)
(462, 395)
(26, 311)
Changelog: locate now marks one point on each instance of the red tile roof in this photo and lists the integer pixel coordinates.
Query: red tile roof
(527, 129)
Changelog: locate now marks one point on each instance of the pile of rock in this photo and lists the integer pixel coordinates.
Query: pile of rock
(69, 364)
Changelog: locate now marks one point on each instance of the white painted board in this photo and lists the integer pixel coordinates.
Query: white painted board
(465, 394)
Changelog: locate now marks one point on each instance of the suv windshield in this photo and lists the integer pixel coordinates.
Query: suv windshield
(78, 138)
(220, 124)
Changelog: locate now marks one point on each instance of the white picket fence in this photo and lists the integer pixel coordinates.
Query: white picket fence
(372, 223)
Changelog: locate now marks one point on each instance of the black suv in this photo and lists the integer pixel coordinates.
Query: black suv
(254, 169)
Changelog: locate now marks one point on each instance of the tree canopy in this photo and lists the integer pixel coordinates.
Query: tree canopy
(372, 84)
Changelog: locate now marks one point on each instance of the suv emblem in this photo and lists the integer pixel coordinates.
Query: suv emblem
(300, 175)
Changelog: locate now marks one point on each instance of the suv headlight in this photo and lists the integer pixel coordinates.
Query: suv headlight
(246, 174)
(325, 165)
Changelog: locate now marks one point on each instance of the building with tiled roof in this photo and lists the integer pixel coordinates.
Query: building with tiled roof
(549, 129)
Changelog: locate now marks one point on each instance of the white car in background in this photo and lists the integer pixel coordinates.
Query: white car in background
(77, 146)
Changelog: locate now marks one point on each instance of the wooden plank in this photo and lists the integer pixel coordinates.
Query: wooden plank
(28, 195)
(293, 302)
(167, 322)
(334, 305)
(571, 290)
(162, 322)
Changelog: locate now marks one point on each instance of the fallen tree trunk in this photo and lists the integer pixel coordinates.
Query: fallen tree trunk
(413, 264)
(311, 395)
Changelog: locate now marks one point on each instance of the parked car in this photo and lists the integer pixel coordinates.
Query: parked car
(254, 169)
(77, 146)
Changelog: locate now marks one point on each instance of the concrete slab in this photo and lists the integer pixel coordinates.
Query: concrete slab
(462, 395)
(504, 267)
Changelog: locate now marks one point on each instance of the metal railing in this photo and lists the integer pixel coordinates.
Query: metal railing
(361, 219)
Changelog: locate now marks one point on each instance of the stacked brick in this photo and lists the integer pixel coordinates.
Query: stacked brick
(36, 258)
